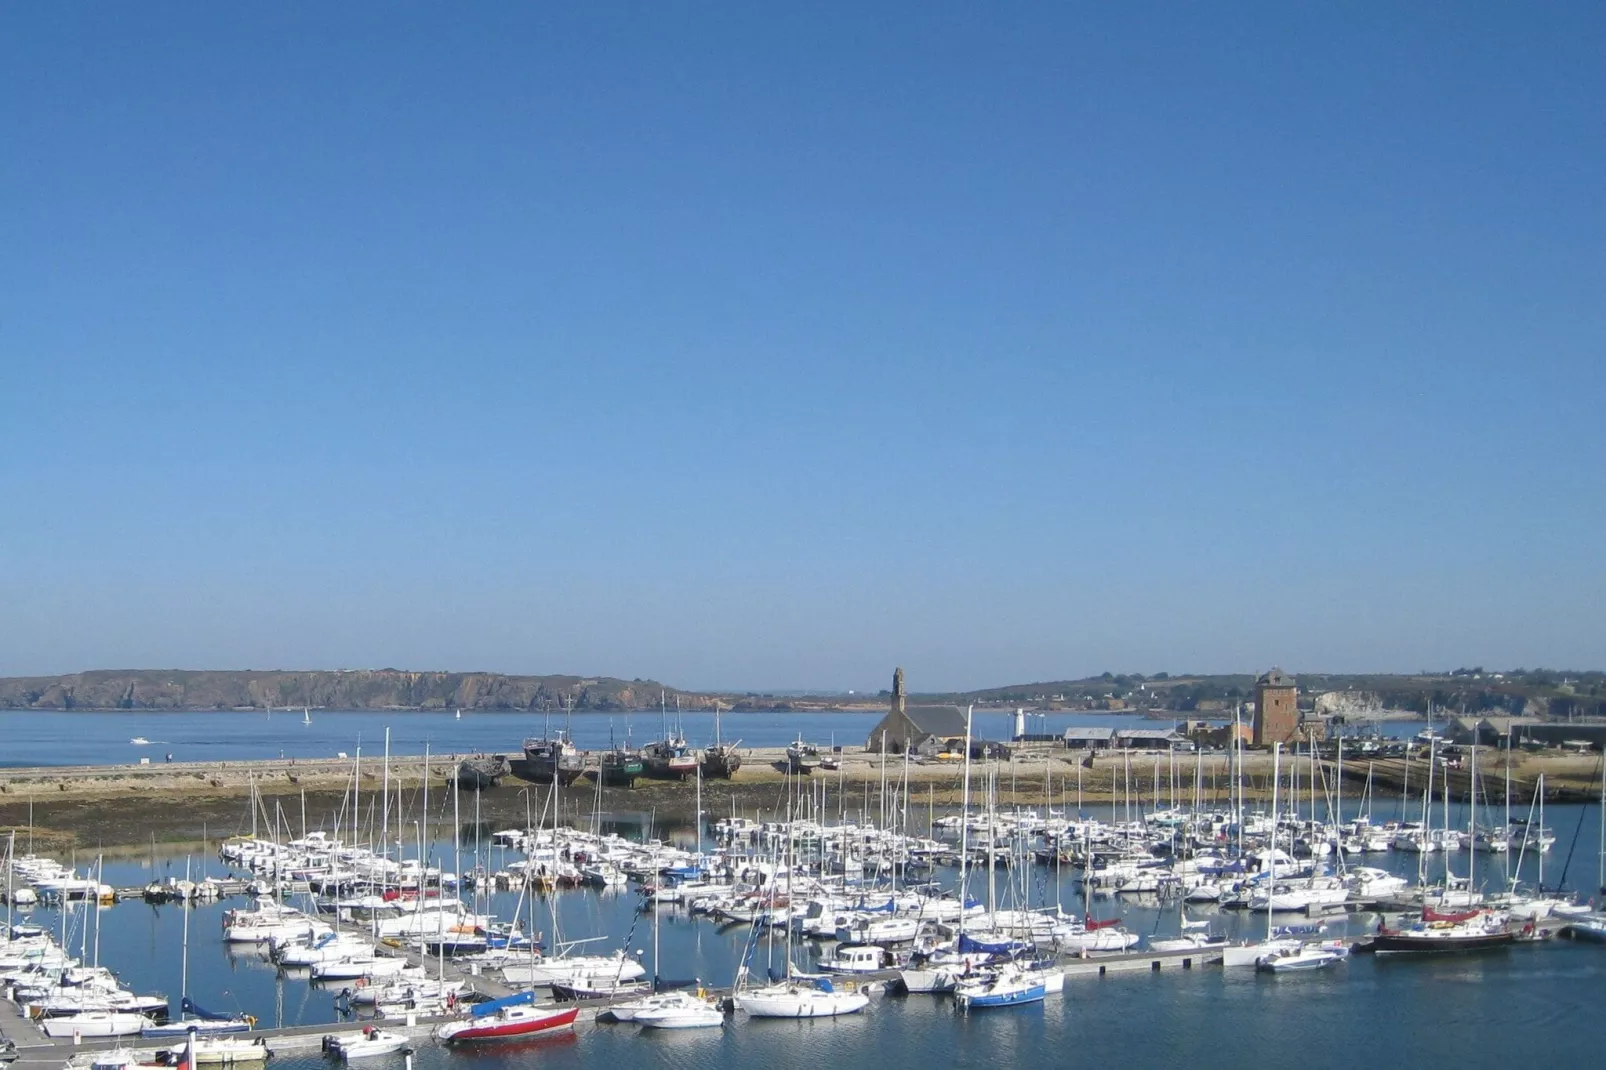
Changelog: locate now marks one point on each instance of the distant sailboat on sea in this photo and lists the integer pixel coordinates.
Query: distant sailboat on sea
(306, 715)
(459, 716)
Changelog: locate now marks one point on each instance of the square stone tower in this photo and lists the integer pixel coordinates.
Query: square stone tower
(1276, 709)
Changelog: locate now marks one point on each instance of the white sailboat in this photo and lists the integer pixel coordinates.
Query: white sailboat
(1251, 954)
(795, 997)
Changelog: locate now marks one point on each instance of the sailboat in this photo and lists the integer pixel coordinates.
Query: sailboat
(1008, 986)
(1439, 932)
(192, 1016)
(792, 997)
(506, 1019)
(1251, 954)
(306, 715)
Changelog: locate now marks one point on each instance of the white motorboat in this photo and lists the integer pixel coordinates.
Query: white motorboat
(688, 1013)
(1251, 954)
(627, 1011)
(1304, 957)
(366, 1044)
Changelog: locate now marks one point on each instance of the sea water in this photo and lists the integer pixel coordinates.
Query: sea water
(36, 737)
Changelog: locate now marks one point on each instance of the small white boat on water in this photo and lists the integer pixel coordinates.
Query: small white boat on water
(685, 1012)
(627, 1011)
(140, 741)
(1251, 954)
(369, 1043)
(1304, 957)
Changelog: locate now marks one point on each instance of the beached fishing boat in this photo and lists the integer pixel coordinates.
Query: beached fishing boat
(802, 758)
(669, 759)
(481, 772)
(720, 760)
(620, 767)
(553, 757)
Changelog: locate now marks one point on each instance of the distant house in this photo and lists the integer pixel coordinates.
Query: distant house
(1148, 738)
(924, 730)
(1089, 738)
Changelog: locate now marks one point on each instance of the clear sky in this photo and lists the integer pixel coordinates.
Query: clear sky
(758, 345)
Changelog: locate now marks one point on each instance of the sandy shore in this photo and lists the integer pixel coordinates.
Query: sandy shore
(127, 806)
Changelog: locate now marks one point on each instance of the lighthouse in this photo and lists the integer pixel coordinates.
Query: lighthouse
(1020, 723)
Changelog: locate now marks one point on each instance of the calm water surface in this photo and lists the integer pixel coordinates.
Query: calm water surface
(33, 738)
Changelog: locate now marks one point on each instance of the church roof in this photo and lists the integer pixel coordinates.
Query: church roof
(1276, 678)
(945, 721)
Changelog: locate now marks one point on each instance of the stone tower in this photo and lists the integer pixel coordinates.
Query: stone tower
(899, 702)
(1276, 709)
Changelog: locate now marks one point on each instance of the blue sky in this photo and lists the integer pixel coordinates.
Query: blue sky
(748, 346)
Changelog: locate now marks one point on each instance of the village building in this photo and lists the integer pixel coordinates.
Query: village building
(1276, 709)
(923, 730)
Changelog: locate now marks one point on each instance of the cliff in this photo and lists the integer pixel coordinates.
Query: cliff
(179, 689)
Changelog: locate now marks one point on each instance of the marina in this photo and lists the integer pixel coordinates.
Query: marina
(831, 906)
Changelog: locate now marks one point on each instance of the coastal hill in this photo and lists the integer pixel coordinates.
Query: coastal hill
(364, 689)
(1536, 692)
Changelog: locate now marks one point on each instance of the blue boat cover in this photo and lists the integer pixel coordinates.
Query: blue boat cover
(481, 1010)
(188, 1006)
(824, 984)
(970, 945)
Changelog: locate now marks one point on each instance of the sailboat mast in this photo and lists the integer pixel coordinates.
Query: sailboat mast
(184, 953)
(1271, 857)
(1472, 820)
(964, 824)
